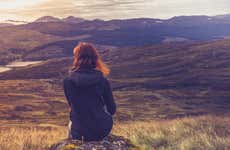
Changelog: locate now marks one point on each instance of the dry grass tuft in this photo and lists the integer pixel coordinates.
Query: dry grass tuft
(33, 138)
(199, 133)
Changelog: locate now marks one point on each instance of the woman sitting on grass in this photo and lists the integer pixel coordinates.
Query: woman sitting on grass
(89, 95)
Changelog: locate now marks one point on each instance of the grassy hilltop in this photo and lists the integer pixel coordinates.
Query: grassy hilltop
(200, 133)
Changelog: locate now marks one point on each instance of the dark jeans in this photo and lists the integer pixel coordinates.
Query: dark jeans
(77, 136)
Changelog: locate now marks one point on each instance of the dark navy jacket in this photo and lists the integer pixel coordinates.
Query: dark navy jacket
(87, 92)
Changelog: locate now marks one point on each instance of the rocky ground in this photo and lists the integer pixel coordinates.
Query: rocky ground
(111, 142)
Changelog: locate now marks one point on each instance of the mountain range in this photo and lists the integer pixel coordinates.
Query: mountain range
(50, 33)
(203, 18)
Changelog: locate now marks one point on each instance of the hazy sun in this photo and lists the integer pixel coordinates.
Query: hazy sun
(17, 4)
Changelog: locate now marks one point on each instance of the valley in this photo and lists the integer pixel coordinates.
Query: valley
(163, 81)
(170, 79)
(17, 64)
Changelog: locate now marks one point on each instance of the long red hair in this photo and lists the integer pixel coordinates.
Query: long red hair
(86, 55)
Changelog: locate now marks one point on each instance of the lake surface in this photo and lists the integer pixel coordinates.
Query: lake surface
(4, 69)
(17, 64)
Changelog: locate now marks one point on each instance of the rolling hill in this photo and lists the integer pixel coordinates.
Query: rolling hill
(161, 81)
(188, 64)
(164, 80)
(53, 31)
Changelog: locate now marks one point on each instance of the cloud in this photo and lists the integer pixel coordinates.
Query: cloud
(109, 9)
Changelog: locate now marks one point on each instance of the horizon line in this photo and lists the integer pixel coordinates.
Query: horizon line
(61, 18)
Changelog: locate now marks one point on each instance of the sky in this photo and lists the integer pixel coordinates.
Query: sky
(29, 10)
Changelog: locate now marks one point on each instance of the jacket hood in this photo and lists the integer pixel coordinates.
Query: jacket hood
(86, 77)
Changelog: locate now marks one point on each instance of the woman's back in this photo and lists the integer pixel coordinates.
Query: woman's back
(87, 91)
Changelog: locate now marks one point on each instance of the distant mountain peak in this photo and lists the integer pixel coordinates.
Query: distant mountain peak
(70, 19)
(189, 17)
(226, 16)
(73, 19)
(48, 19)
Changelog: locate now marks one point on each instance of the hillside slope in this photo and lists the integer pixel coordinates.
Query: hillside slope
(161, 81)
(167, 65)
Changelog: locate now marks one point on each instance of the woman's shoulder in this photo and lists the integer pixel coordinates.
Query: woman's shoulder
(83, 75)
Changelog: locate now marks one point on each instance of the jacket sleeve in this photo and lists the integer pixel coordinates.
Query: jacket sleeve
(67, 87)
(108, 98)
